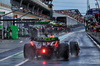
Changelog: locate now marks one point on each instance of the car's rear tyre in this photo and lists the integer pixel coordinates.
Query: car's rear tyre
(74, 48)
(29, 51)
(63, 51)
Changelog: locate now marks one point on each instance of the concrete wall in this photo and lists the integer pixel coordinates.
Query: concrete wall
(71, 21)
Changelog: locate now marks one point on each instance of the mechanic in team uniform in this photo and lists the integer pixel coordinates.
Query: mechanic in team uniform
(33, 32)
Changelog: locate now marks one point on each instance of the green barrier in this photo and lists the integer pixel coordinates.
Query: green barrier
(14, 31)
(0, 26)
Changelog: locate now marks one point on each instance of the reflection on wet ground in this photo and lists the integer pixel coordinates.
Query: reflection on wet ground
(89, 55)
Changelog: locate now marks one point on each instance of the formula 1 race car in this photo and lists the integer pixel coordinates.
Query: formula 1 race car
(48, 47)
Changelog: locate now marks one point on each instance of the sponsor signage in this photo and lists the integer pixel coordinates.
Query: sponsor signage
(41, 22)
(93, 12)
(2, 13)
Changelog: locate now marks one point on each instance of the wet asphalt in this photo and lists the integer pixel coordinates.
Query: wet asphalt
(89, 54)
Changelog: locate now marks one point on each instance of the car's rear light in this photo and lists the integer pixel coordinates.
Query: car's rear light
(43, 50)
(56, 44)
(32, 44)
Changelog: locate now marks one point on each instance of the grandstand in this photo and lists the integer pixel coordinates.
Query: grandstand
(93, 13)
(73, 13)
(35, 8)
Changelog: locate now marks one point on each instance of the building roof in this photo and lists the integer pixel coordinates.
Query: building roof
(74, 10)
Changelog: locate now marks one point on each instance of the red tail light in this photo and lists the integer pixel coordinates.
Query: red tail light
(43, 51)
(56, 44)
(32, 44)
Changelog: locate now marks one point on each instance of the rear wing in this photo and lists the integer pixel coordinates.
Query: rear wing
(46, 39)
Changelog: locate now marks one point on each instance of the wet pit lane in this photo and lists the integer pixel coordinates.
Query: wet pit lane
(89, 54)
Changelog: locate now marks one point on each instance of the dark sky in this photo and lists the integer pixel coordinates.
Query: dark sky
(73, 4)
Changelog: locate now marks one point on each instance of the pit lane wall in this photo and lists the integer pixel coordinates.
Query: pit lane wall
(69, 20)
(95, 39)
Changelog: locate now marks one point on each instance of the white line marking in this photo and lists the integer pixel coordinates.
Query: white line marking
(94, 42)
(10, 56)
(22, 62)
(20, 41)
(64, 36)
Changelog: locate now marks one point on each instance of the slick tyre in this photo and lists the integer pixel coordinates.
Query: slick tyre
(74, 48)
(63, 51)
(29, 51)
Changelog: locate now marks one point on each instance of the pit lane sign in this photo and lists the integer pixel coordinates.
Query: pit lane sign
(2, 13)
